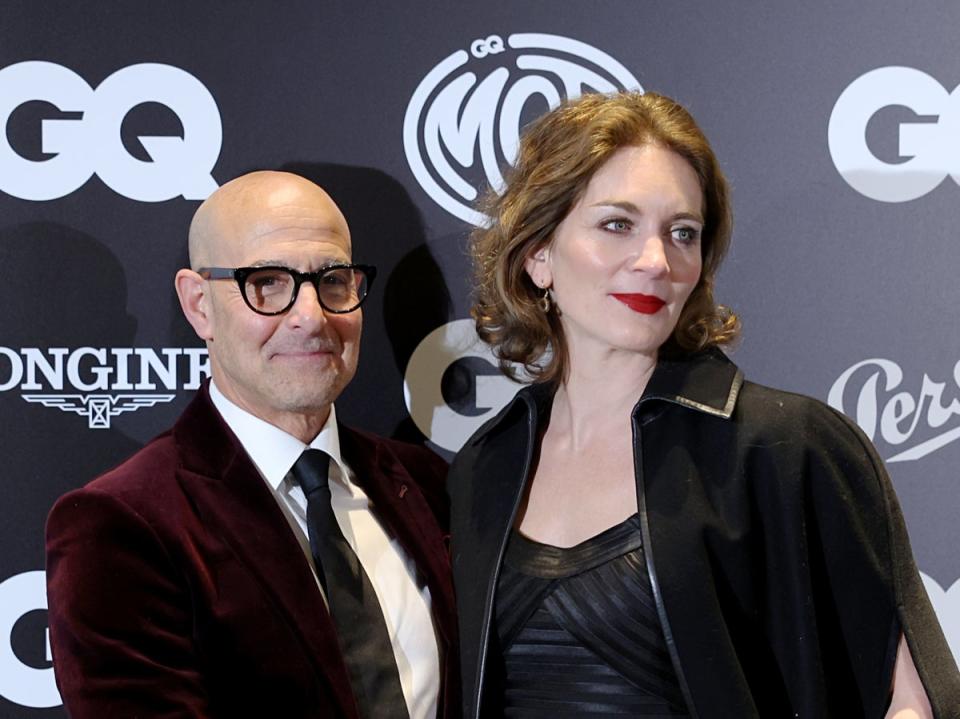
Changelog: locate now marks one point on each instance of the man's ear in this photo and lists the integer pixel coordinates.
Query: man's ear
(195, 302)
(537, 266)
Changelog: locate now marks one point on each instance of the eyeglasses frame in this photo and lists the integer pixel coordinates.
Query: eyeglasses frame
(240, 275)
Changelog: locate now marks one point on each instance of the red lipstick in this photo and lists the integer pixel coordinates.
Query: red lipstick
(639, 302)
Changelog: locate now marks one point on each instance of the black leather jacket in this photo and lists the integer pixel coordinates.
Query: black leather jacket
(777, 553)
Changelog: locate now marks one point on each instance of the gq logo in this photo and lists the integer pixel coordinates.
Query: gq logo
(453, 115)
(444, 350)
(932, 148)
(92, 143)
(22, 682)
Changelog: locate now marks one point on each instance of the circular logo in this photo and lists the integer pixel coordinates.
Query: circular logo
(437, 353)
(926, 143)
(462, 126)
(20, 683)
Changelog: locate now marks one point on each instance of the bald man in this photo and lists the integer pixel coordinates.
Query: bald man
(224, 570)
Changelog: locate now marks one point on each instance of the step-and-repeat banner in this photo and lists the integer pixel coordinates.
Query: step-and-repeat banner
(838, 126)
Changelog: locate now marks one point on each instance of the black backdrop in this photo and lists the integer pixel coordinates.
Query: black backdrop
(843, 266)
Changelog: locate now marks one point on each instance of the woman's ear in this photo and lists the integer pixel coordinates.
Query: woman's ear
(537, 266)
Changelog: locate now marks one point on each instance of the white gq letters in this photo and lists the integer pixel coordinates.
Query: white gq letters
(92, 143)
(20, 683)
(422, 385)
(931, 147)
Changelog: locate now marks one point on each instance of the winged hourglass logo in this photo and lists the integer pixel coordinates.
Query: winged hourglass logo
(98, 408)
(101, 383)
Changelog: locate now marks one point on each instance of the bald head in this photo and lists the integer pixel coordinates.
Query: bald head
(285, 368)
(259, 204)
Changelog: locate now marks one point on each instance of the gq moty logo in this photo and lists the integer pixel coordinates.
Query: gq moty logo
(463, 123)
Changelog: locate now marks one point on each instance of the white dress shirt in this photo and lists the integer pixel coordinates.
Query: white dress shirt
(405, 601)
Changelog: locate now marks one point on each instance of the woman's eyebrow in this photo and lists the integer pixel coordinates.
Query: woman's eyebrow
(628, 206)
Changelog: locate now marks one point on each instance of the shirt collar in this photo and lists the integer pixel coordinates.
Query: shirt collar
(272, 450)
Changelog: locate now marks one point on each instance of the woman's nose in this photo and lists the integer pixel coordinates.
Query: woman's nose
(652, 257)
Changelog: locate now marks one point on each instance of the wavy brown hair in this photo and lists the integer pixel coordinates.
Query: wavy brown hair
(558, 155)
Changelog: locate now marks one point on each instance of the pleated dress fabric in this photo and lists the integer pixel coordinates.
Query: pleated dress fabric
(580, 632)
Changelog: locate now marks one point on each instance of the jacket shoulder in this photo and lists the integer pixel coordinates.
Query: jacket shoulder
(138, 479)
(141, 496)
(778, 416)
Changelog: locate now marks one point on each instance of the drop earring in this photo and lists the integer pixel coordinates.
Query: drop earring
(545, 303)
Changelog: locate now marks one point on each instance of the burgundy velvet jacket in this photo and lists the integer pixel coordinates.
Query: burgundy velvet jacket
(176, 587)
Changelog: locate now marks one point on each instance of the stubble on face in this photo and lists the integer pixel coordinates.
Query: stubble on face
(286, 369)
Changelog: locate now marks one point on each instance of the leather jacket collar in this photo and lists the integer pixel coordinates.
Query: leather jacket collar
(706, 382)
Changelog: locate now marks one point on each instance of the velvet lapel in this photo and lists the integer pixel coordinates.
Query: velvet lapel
(235, 503)
(407, 516)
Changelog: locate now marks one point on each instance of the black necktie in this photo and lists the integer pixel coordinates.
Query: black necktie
(350, 595)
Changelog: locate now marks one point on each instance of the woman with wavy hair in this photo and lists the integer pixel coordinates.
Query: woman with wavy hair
(642, 532)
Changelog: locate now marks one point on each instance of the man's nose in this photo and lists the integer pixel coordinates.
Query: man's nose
(307, 310)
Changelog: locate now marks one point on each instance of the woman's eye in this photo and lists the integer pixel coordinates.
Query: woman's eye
(685, 235)
(617, 224)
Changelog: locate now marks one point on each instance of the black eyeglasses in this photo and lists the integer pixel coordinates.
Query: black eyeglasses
(272, 290)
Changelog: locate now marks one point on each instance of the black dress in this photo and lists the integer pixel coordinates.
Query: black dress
(579, 631)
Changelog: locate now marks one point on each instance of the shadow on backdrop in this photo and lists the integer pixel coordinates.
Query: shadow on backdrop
(410, 298)
(61, 288)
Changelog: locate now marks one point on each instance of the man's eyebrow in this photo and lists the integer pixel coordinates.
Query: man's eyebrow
(325, 262)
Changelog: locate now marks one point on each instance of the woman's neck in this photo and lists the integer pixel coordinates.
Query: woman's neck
(598, 393)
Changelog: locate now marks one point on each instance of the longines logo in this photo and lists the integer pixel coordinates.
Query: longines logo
(927, 145)
(102, 382)
(916, 423)
(91, 143)
(453, 115)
